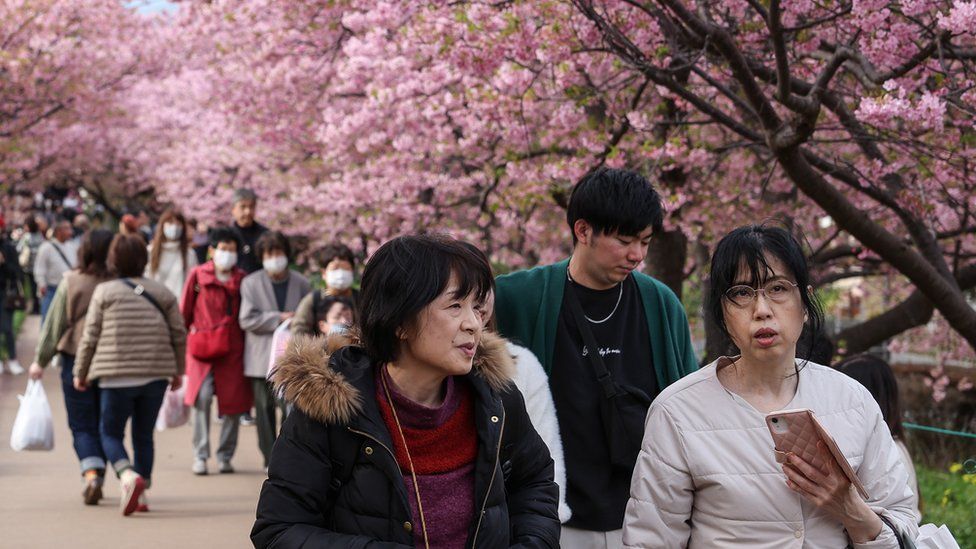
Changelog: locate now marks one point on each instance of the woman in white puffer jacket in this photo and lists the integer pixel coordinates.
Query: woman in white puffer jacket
(707, 474)
(170, 256)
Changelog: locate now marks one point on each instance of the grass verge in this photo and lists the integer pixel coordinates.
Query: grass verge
(949, 497)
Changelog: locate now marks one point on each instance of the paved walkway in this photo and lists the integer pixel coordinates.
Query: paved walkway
(40, 492)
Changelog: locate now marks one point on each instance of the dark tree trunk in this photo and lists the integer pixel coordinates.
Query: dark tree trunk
(915, 311)
(716, 343)
(666, 258)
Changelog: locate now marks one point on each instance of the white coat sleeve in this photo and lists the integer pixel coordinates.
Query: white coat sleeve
(885, 479)
(662, 492)
(41, 264)
(532, 381)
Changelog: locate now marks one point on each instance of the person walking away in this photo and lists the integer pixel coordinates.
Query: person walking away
(133, 345)
(414, 437)
(210, 305)
(60, 335)
(708, 473)
(337, 264)
(878, 378)
(244, 205)
(54, 258)
(27, 249)
(170, 256)
(640, 343)
(268, 298)
(11, 287)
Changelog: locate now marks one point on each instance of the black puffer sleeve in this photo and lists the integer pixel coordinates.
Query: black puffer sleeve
(292, 506)
(532, 495)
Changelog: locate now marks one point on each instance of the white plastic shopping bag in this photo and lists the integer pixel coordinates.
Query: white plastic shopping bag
(173, 412)
(279, 342)
(930, 537)
(33, 426)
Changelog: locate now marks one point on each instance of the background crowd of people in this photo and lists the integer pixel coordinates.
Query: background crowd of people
(437, 405)
(127, 314)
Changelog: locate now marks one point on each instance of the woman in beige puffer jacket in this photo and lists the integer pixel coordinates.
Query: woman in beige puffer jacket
(708, 474)
(133, 345)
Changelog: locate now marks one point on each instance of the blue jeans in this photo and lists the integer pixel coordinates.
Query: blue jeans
(46, 301)
(142, 405)
(83, 412)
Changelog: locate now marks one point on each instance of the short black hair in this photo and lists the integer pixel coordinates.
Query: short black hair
(404, 276)
(615, 201)
(272, 240)
(750, 244)
(219, 234)
(816, 347)
(325, 305)
(333, 251)
(876, 375)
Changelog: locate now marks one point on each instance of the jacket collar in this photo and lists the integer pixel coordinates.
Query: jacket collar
(207, 275)
(330, 379)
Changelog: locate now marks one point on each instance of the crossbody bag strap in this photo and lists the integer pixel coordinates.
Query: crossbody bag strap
(596, 360)
(140, 290)
(61, 253)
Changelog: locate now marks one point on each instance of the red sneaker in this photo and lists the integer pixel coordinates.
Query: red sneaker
(132, 487)
(143, 506)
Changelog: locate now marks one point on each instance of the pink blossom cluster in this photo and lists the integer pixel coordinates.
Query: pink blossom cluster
(961, 18)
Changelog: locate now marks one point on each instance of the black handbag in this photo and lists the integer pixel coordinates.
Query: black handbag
(13, 297)
(623, 408)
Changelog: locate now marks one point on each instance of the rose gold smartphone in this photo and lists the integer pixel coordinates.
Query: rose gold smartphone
(798, 431)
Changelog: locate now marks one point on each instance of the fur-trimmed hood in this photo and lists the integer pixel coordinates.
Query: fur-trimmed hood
(314, 373)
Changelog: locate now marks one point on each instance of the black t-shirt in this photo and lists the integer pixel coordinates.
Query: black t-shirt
(597, 493)
(281, 292)
(246, 257)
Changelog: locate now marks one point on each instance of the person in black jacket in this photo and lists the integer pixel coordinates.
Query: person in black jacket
(11, 276)
(244, 204)
(414, 435)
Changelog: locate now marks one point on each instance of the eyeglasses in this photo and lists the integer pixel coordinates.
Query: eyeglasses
(777, 291)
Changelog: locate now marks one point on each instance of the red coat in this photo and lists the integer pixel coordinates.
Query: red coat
(204, 304)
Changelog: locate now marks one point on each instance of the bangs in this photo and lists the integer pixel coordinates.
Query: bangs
(472, 272)
(751, 251)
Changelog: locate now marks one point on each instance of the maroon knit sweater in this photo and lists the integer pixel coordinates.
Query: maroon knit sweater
(443, 444)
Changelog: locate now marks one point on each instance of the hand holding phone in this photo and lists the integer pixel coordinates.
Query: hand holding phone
(798, 432)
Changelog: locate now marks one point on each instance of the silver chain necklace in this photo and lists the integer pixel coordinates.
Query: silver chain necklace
(619, 297)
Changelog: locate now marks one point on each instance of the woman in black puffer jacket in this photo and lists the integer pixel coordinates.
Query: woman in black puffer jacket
(414, 436)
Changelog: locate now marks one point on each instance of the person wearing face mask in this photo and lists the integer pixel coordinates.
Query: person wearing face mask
(170, 256)
(337, 263)
(210, 305)
(335, 316)
(268, 298)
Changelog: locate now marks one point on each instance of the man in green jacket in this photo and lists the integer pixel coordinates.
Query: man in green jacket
(637, 323)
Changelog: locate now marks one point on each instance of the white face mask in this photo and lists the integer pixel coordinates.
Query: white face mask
(225, 260)
(172, 231)
(275, 265)
(338, 329)
(339, 279)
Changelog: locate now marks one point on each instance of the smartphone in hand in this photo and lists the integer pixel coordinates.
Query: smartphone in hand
(798, 431)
